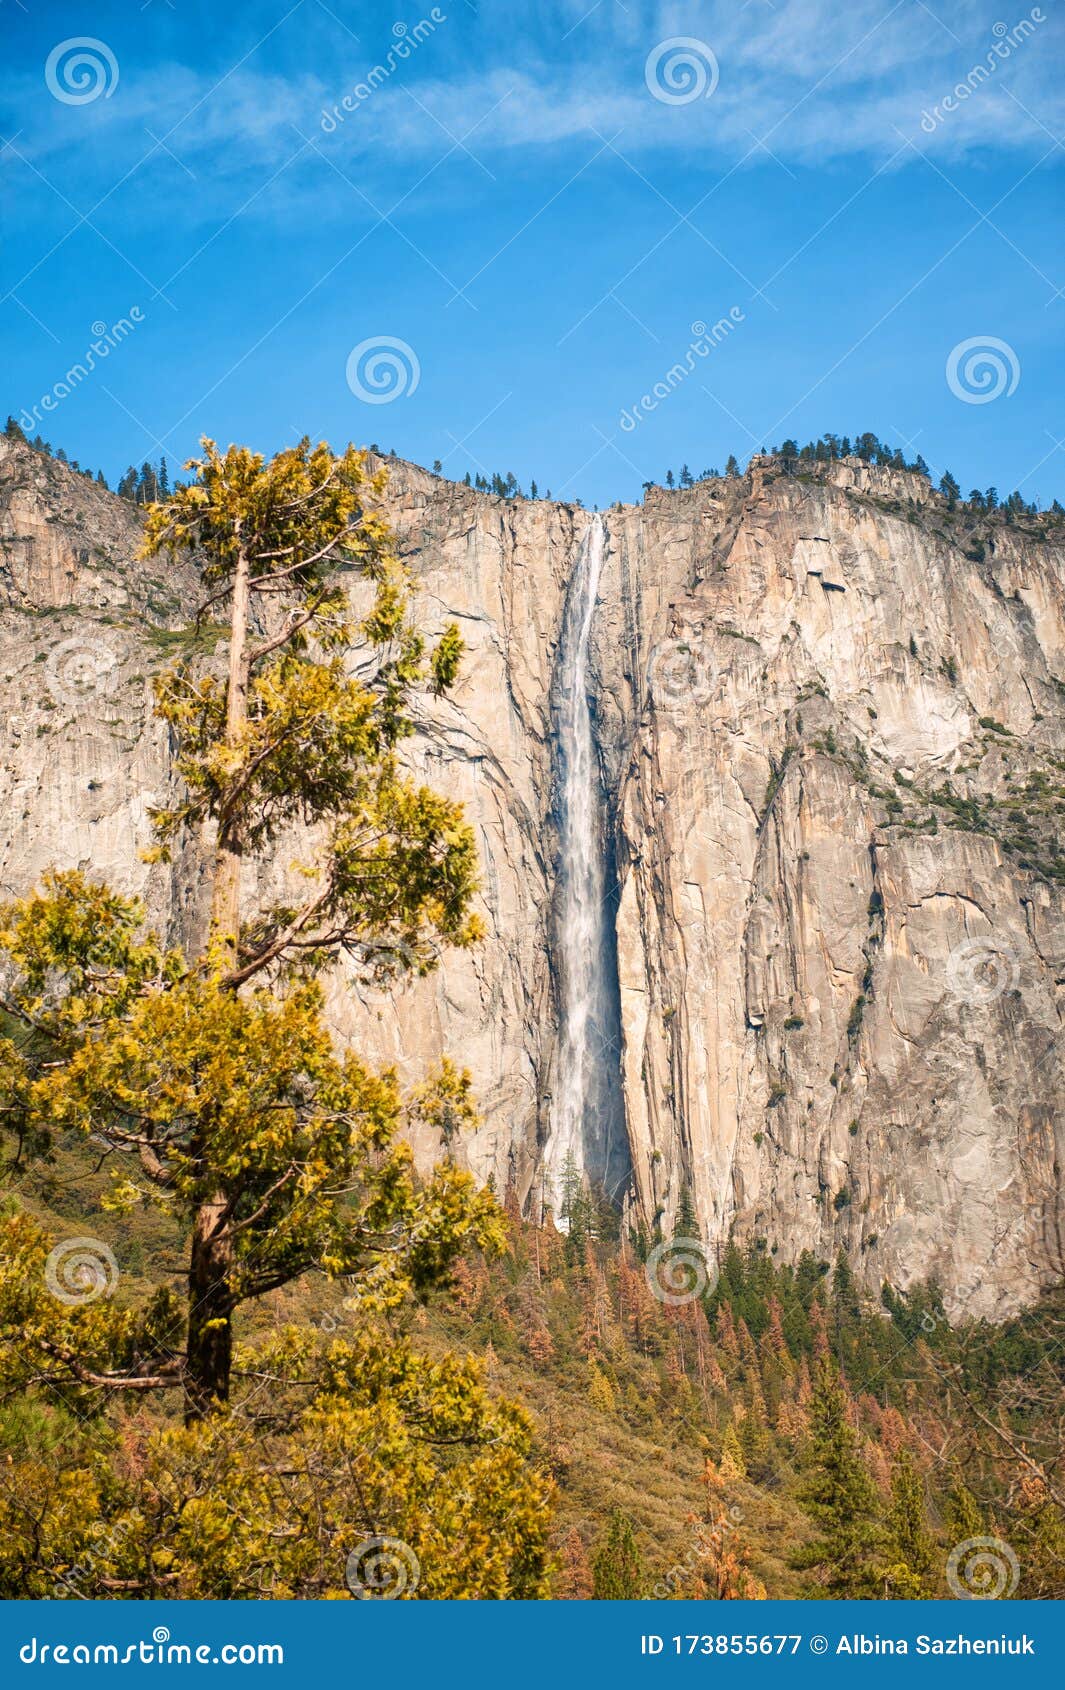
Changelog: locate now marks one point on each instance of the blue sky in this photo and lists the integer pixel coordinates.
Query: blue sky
(538, 202)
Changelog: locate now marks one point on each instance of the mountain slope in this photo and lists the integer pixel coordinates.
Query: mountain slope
(828, 715)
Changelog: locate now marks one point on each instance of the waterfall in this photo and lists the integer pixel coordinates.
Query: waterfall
(587, 1117)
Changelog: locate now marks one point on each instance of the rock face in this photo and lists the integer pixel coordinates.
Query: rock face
(828, 714)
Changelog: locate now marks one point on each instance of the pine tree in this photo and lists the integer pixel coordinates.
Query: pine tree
(841, 1500)
(685, 1225)
(962, 1519)
(575, 1573)
(723, 1571)
(575, 1209)
(819, 1330)
(301, 739)
(727, 1340)
(214, 1082)
(601, 1392)
(147, 485)
(804, 1391)
(776, 1342)
(617, 1571)
(755, 1441)
(669, 478)
(732, 1464)
(911, 1553)
(732, 468)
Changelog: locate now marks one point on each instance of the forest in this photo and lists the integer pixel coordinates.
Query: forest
(249, 1351)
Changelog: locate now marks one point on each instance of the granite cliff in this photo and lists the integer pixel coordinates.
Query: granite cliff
(828, 728)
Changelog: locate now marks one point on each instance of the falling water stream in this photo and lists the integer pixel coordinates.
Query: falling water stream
(587, 1119)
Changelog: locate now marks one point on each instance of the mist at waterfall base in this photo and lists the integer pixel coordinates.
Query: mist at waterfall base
(587, 1115)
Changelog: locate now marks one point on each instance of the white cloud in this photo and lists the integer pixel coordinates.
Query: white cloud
(814, 79)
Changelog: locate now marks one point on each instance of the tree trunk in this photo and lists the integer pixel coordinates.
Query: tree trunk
(229, 850)
(209, 1348)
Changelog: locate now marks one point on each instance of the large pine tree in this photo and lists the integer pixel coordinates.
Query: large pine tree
(618, 1573)
(211, 1084)
(841, 1500)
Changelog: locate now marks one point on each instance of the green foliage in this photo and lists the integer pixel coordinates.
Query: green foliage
(213, 1089)
(841, 1499)
(962, 1516)
(686, 1224)
(617, 1571)
(208, 1085)
(446, 658)
(290, 737)
(328, 1444)
(833, 448)
(911, 1554)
